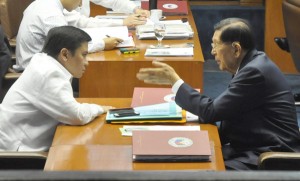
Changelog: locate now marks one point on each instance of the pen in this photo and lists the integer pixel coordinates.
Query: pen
(117, 40)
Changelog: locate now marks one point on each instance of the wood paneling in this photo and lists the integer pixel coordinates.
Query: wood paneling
(274, 27)
(112, 74)
(97, 10)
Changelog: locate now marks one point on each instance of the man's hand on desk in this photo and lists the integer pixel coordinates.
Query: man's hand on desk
(142, 12)
(111, 42)
(163, 74)
(134, 20)
(106, 108)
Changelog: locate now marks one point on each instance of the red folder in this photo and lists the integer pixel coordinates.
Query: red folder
(170, 146)
(143, 96)
(169, 7)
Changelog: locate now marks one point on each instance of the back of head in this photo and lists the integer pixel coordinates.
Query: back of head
(67, 37)
(236, 30)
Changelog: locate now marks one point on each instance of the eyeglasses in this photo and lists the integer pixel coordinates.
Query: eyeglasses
(215, 45)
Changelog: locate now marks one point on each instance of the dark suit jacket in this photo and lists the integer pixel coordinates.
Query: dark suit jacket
(5, 57)
(257, 110)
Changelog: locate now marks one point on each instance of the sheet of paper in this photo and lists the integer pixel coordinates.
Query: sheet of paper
(111, 17)
(127, 130)
(118, 31)
(158, 109)
(169, 52)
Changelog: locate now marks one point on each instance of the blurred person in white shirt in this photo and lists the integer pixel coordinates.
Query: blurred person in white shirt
(38, 18)
(81, 16)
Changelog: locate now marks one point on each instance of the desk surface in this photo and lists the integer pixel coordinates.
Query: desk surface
(112, 74)
(100, 146)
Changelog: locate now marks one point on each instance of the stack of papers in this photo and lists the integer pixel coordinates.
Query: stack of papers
(165, 113)
(127, 130)
(170, 52)
(173, 31)
(111, 17)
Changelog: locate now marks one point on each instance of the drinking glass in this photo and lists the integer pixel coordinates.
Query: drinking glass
(159, 31)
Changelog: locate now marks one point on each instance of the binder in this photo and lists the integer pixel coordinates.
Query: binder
(169, 7)
(170, 146)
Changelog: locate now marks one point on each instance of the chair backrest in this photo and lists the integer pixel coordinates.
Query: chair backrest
(22, 160)
(291, 18)
(11, 13)
(279, 161)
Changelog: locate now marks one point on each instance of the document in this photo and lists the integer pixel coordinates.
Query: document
(173, 31)
(149, 95)
(170, 52)
(165, 112)
(127, 130)
(170, 146)
(111, 17)
(143, 96)
(103, 32)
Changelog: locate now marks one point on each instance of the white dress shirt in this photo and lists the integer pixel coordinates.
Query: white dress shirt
(81, 16)
(177, 85)
(38, 18)
(37, 102)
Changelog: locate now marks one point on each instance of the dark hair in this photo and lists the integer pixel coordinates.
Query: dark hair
(67, 37)
(236, 29)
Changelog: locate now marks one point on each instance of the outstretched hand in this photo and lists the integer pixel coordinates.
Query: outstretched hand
(163, 74)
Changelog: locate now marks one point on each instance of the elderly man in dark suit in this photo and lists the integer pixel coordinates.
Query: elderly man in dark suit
(5, 56)
(257, 109)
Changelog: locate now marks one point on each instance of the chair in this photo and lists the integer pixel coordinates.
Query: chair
(279, 161)
(22, 160)
(290, 43)
(291, 17)
(11, 13)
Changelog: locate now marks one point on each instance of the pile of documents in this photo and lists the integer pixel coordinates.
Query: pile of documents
(173, 31)
(157, 113)
(170, 52)
(127, 130)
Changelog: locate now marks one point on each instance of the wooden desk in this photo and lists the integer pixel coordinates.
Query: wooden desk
(100, 146)
(112, 74)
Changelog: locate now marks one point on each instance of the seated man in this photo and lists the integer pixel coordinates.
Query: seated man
(256, 111)
(38, 18)
(81, 16)
(42, 97)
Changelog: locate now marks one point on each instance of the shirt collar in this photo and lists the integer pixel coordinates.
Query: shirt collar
(67, 74)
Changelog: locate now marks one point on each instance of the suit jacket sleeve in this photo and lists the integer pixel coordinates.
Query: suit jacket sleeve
(242, 94)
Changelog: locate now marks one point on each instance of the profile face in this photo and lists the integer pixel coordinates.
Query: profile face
(70, 5)
(223, 52)
(76, 64)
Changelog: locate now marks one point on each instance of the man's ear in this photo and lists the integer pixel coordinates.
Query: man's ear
(64, 53)
(237, 48)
